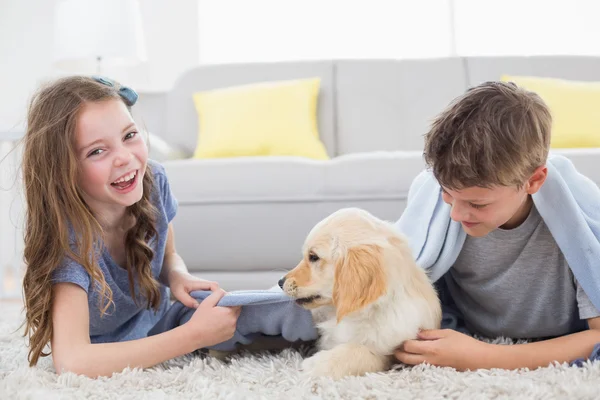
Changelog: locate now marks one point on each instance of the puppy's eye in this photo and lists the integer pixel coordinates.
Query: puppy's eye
(312, 257)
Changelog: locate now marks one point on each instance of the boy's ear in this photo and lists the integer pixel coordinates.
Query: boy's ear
(537, 179)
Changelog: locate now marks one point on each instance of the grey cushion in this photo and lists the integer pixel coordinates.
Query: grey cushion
(253, 214)
(389, 105)
(585, 160)
(275, 179)
(481, 69)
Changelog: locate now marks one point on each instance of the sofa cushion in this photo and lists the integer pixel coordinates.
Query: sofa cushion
(181, 122)
(261, 119)
(574, 105)
(253, 213)
(581, 68)
(584, 159)
(389, 105)
(274, 178)
(232, 219)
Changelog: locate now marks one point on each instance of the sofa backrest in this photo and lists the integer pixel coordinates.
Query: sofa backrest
(580, 68)
(369, 105)
(182, 119)
(389, 104)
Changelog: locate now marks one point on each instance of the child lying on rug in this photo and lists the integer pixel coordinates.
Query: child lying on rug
(99, 242)
(510, 235)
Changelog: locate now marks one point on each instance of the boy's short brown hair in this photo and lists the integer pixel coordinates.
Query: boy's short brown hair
(495, 134)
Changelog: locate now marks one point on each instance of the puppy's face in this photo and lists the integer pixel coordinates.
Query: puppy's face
(311, 281)
(338, 268)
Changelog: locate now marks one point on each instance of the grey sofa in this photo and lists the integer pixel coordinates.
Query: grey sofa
(242, 221)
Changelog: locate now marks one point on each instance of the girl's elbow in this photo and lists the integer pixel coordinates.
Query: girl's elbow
(74, 364)
(63, 365)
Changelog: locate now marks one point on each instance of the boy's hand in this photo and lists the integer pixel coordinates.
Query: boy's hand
(182, 283)
(445, 348)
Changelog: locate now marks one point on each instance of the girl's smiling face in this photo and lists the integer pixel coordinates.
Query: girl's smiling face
(112, 157)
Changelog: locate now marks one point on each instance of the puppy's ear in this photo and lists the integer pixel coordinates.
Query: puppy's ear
(359, 279)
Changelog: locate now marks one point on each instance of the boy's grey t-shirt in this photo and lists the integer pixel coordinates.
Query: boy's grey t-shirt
(126, 320)
(516, 283)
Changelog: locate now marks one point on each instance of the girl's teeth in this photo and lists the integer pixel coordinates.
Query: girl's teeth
(126, 178)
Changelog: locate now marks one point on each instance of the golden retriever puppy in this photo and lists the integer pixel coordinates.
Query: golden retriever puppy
(365, 291)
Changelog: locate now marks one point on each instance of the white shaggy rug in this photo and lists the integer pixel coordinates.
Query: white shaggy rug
(276, 376)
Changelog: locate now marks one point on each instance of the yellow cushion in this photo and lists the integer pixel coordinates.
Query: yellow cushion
(574, 105)
(262, 119)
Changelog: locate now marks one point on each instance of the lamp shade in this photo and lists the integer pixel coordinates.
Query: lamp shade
(88, 30)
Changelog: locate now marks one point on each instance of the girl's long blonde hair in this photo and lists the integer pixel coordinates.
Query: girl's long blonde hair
(55, 205)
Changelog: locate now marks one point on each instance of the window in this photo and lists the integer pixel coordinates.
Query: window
(526, 27)
(275, 30)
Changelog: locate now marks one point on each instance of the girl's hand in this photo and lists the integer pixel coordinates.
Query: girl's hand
(182, 283)
(212, 324)
(446, 348)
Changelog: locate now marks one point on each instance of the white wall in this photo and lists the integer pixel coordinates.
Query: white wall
(26, 50)
(25, 54)
(171, 32)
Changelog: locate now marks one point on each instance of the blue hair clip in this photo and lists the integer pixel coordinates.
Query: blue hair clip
(129, 95)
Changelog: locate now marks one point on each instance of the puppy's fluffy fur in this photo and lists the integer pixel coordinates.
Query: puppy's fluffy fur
(365, 291)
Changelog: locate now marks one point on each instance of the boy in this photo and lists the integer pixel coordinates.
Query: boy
(510, 233)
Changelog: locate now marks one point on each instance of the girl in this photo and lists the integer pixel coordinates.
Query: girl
(99, 243)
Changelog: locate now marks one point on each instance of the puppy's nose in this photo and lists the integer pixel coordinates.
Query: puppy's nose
(281, 282)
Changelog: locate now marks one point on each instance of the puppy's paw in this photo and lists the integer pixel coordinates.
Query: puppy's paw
(344, 360)
(321, 364)
(220, 355)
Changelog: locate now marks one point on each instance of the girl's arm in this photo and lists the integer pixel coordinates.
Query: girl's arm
(72, 350)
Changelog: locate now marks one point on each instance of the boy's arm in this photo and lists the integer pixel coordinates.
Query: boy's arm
(541, 354)
(450, 348)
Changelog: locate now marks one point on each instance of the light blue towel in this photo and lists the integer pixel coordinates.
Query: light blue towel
(595, 356)
(264, 312)
(568, 202)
